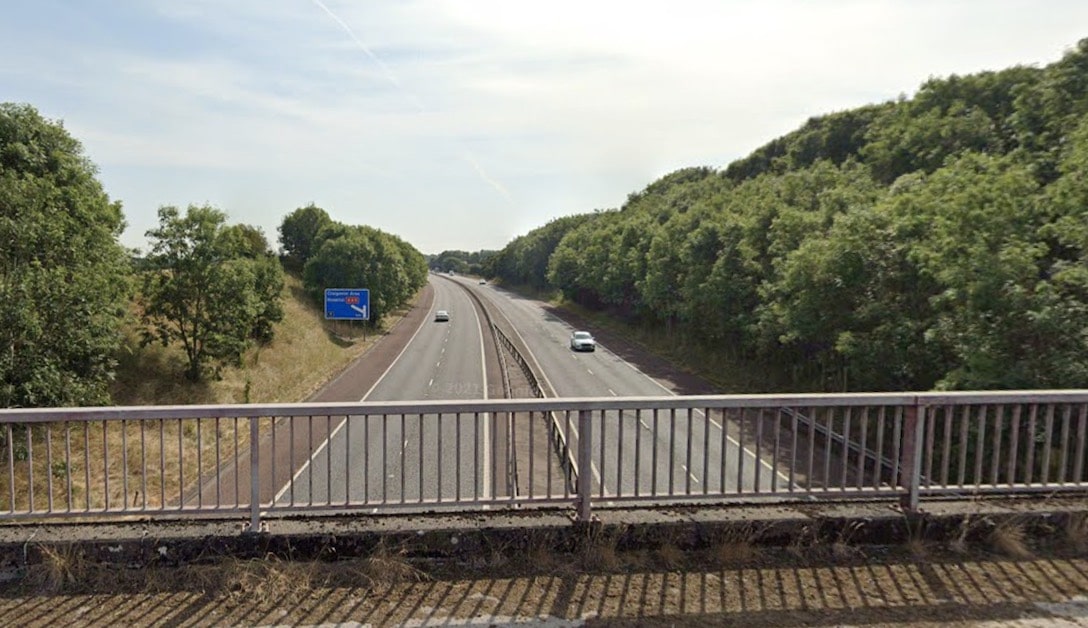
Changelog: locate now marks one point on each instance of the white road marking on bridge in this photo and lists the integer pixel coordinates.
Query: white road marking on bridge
(690, 474)
(590, 371)
(612, 392)
(430, 383)
(643, 423)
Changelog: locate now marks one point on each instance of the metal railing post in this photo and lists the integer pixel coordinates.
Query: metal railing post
(910, 456)
(585, 455)
(254, 476)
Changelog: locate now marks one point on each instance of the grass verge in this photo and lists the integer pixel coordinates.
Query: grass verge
(153, 464)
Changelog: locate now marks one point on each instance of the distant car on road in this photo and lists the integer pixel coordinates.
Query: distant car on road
(483, 282)
(582, 341)
(441, 316)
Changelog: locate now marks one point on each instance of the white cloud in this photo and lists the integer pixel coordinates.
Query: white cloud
(508, 113)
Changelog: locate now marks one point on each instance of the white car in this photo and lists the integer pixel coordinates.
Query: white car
(441, 316)
(582, 341)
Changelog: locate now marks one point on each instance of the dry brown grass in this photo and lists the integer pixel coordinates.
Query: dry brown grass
(1076, 531)
(61, 567)
(543, 555)
(735, 545)
(599, 550)
(843, 547)
(305, 352)
(958, 543)
(387, 566)
(1010, 538)
(128, 457)
(916, 543)
(670, 557)
(262, 581)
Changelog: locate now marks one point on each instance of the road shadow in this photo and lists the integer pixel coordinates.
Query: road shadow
(603, 587)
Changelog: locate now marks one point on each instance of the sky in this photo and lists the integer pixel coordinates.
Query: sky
(459, 125)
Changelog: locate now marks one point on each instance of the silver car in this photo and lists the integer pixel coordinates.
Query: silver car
(582, 341)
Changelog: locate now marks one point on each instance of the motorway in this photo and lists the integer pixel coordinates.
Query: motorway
(643, 441)
(385, 459)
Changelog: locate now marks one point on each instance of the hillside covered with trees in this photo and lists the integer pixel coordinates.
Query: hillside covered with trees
(70, 292)
(937, 241)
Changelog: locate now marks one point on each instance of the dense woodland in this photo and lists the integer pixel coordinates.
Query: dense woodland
(464, 262)
(937, 241)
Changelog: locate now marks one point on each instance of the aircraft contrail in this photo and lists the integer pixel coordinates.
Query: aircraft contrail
(487, 179)
(419, 105)
(358, 42)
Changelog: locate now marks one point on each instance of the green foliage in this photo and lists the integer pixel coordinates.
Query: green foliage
(298, 234)
(836, 137)
(248, 240)
(461, 262)
(210, 287)
(364, 257)
(64, 279)
(934, 241)
(524, 261)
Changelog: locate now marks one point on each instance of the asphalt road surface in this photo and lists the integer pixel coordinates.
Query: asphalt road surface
(636, 447)
(411, 458)
(406, 459)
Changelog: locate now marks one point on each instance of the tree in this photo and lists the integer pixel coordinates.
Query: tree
(298, 233)
(64, 278)
(364, 257)
(203, 290)
(250, 243)
(248, 240)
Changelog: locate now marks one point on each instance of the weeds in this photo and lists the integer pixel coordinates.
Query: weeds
(1076, 531)
(670, 557)
(599, 550)
(917, 546)
(386, 566)
(62, 567)
(735, 545)
(1010, 538)
(843, 547)
(802, 542)
(543, 556)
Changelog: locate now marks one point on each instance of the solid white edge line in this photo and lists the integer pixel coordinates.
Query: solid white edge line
(486, 415)
(544, 376)
(699, 411)
(336, 430)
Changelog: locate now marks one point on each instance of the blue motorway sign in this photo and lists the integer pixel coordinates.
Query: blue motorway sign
(347, 304)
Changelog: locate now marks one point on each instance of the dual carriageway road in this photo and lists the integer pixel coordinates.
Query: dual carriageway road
(380, 459)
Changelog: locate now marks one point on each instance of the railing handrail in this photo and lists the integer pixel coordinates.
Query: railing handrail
(1002, 442)
(793, 400)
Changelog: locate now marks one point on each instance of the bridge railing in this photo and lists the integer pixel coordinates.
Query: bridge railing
(259, 461)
